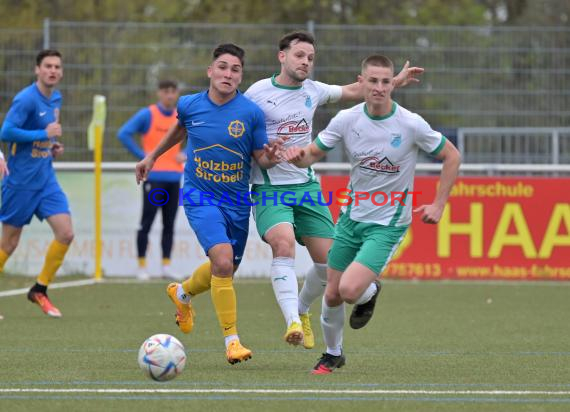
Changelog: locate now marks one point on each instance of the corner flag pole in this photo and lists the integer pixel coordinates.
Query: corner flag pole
(95, 143)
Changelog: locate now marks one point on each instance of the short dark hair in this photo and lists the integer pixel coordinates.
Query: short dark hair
(229, 48)
(46, 53)
(299, 35)
(167, 84)
(377, 60)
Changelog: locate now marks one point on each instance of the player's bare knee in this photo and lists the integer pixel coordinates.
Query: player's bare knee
(9, 245)
(332, 298)
(222, 267)
(65, 237)
(283, 247)
(321, 260)
(349, 293)
(319, 252)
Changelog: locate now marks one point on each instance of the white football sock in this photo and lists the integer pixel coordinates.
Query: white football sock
(285, 287)
(182, 295)
(332, 323)
(314, 286)
(367, 295)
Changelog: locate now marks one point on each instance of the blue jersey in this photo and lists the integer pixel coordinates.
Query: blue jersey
(30, 159)
(221, 140)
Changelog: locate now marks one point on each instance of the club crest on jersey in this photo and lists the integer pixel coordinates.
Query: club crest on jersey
(236, 129)
(396, 140)
(308, 102)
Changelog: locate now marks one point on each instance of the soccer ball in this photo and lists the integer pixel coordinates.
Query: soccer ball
(162, 357)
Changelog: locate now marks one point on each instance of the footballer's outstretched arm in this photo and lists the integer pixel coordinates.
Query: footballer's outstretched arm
(451, 161)
(304, 156)
(406, 76)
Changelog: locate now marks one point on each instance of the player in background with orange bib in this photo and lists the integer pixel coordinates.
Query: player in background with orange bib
(162, 187)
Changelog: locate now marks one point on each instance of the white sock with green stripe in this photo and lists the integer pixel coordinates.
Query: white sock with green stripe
(332, 323)
(285, 286)
(313, 287)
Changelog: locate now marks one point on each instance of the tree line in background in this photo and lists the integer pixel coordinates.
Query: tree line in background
(484, 76)
(30, 13)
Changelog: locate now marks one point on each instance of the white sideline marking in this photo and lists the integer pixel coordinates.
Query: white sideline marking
(290, 391)
(60, 285)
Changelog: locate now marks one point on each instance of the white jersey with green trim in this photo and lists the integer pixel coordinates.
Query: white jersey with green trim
(289, 113)
(382, 151)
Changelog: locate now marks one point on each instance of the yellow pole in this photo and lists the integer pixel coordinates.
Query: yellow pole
(95, 134)
(98, 157)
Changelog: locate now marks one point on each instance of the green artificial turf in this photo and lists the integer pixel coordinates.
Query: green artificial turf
(430, 347)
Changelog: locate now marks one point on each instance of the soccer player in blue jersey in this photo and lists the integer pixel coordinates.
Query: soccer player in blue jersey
(31, 128)
(224, 130)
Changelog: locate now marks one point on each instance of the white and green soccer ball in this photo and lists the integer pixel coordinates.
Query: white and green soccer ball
(162, 357)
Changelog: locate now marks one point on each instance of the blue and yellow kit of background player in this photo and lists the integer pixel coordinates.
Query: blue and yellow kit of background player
(221, 140)
(31, 188)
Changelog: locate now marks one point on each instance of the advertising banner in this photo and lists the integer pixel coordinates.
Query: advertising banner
(492, 228)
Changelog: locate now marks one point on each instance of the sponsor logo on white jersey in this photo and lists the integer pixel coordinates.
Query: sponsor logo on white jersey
(383, 165)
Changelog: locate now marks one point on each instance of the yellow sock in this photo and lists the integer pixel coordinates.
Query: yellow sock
(165, 262)
(224, 300)
(142, 262)
(200, 280)
(3, 258)
(54, 258)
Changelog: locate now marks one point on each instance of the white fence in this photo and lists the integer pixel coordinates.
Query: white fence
(475, 76)
(121, 214)
(122, 201)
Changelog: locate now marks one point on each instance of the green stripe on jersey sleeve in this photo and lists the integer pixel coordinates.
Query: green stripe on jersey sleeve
(440, 147)
(321, 145)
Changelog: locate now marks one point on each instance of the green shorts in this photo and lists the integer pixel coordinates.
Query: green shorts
(302, 205)
(369, 244)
